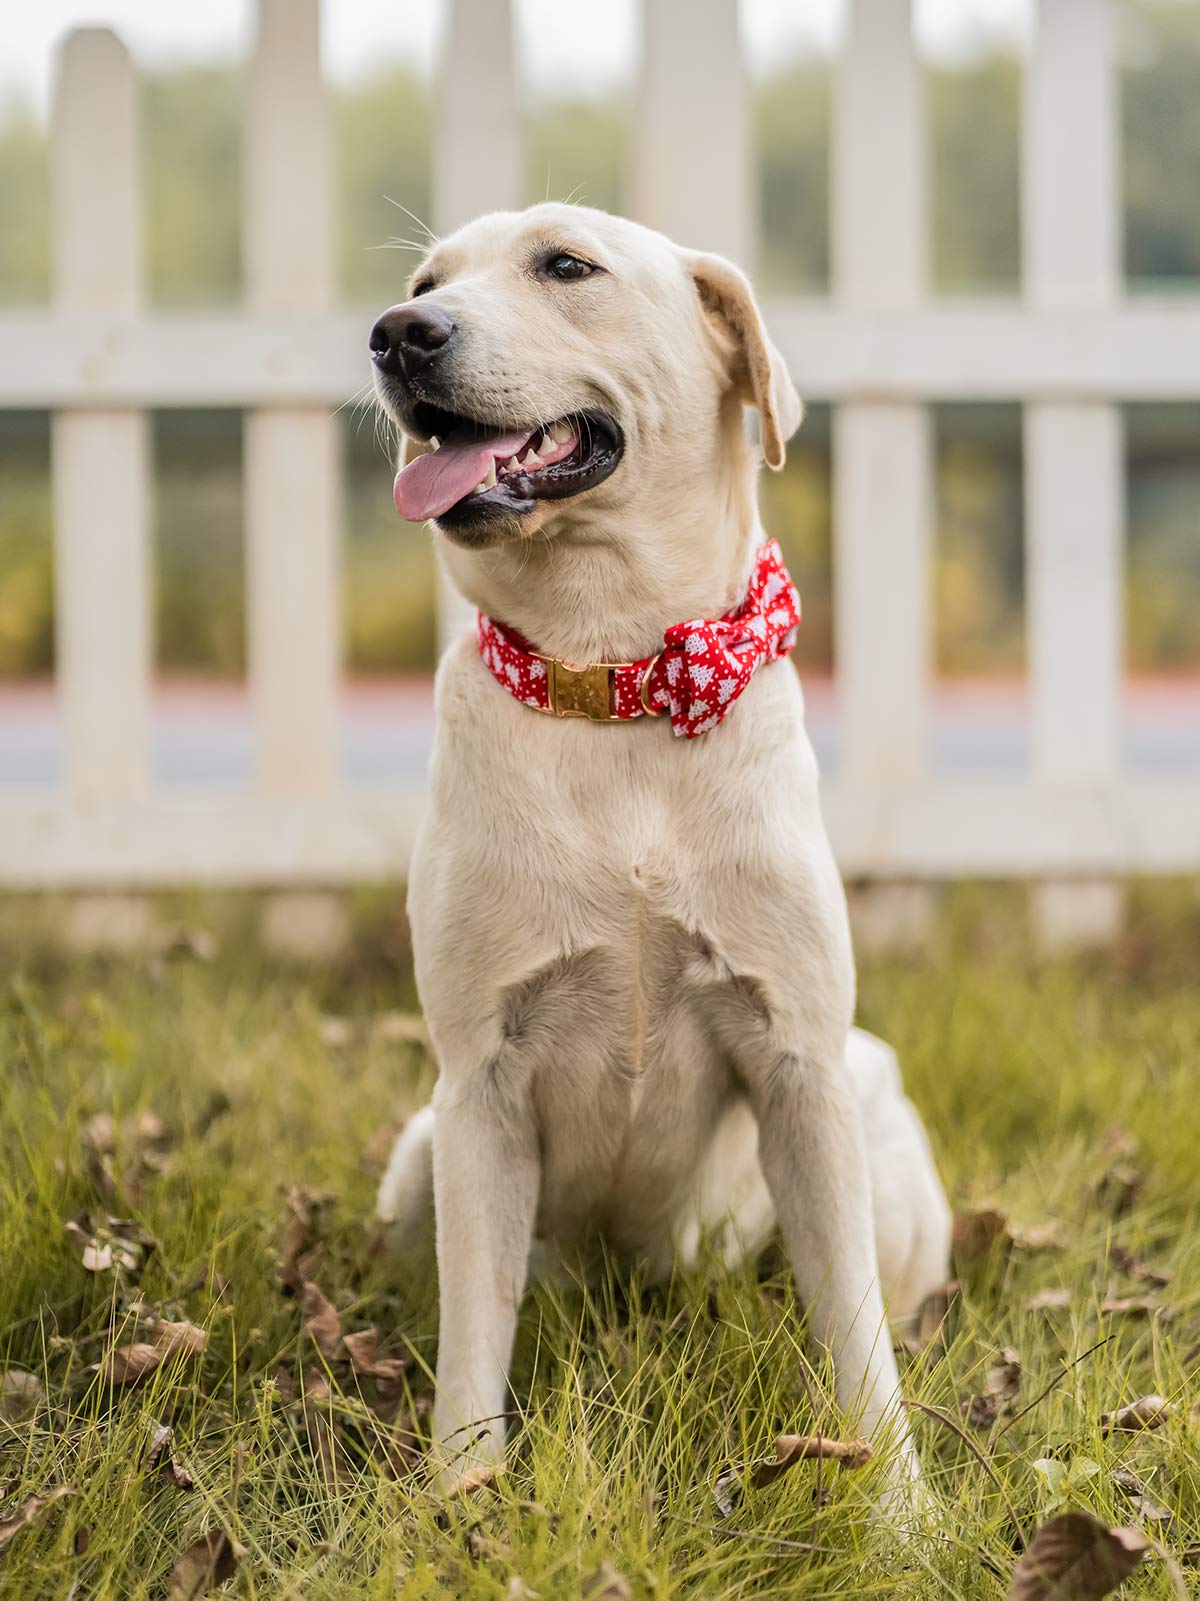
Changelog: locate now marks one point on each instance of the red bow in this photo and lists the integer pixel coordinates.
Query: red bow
(703, 667)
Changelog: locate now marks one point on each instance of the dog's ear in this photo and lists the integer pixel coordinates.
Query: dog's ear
(757, 368)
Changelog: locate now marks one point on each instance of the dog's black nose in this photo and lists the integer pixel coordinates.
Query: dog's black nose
(409, 339)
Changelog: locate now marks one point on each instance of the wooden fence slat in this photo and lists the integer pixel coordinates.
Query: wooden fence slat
(692, 98)
(882, 450)
(99, 459)
(477, 159)
(292, 455)
(1073, 450)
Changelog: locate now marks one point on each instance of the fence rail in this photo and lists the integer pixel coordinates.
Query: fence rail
(1071, 349)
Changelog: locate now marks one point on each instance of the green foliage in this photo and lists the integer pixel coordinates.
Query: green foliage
(631, 1400)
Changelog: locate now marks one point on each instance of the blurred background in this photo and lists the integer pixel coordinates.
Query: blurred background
(578, 70)
(579, 65)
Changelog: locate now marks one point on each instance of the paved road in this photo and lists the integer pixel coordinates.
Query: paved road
(202, 734)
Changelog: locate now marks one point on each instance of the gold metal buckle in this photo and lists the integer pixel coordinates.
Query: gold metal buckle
(580, 691)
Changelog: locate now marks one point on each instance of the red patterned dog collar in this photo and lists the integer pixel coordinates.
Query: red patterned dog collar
(700, 671)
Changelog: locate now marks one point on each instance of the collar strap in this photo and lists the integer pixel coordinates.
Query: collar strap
(702, 668)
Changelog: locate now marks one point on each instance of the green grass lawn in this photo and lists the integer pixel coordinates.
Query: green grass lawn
(1058, 1093)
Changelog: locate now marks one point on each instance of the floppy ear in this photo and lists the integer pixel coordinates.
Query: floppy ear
(758, 370)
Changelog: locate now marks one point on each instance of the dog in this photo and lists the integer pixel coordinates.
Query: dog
(631, 948)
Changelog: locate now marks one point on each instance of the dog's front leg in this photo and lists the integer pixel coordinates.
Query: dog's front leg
(486, 1177)
(814, 1160)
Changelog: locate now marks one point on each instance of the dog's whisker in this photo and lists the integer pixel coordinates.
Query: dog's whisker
(422, 225)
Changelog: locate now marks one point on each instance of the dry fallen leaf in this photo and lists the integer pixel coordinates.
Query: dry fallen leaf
(308, 1212)
(1134, 1268)
(477, 1478)
(931, 1318)
(1048, 1236)
(160, 1454)
(387, 1371)
(21, 1395)
(203, 1566)
(1148, 1509)
(1049, 1300)
(30, 1511)
(976, 1235)
(1148, 1412)
(1118, 1188)
(793, 1448)
(321, 1321)
(129, 1363)
(324, 1435)
(605, 1584)
(1136, 1306)
(1075, 1557)
(1002, 1385)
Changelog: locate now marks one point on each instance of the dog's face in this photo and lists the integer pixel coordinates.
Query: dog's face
(553, 364)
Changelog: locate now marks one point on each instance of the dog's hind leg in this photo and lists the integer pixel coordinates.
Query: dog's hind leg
(405, 1199)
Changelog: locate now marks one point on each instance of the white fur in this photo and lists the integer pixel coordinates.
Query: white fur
(632, 950)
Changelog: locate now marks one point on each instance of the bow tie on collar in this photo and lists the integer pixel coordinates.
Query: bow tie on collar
(702, 668)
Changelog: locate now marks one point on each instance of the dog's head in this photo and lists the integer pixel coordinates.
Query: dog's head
(556, 363)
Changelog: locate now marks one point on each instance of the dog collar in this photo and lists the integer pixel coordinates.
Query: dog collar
(702, 668)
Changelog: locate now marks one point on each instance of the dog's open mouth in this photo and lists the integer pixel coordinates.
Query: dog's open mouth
(475, 469)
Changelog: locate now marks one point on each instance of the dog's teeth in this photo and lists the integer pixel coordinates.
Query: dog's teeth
(490, 480)
(512, 465)
(479, 489)
(435, 441)
(531, 458)
(560, 432)
(545, 445)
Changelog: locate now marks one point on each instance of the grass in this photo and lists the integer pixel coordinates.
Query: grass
(631, 1402)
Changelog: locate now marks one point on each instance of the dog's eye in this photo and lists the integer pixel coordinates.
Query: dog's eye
(421, 288)
(568, 268)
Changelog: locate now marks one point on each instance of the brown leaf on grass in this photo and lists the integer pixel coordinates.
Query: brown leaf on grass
(177, 941)
(1048, 1236)
(1075, 1557)
(931, 1318)
(129, 1363)
(1004, 1380)
(1148, 1509)
(1136, 1306)
(387, 1371)
(21, 1395)
(606, 1584)
(1056, 1300)
(203, 1567)
(118, 1243)
(975, 1235)
(477, 1478)
(1148, 1412)
(324, 1436)
(793, 1448)
(307, 1215)
(321, 1321)
(1118, 1188)
(1002, 1385)
(160, 1454)
(1133, 1267)
(30, 1511)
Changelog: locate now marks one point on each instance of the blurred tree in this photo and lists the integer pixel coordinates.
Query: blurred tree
(382, 149)
(1161, 143)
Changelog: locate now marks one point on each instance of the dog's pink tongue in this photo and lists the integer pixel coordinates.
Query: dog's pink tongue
(440, 478)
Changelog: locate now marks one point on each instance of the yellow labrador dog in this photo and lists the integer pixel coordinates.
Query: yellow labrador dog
(632, 948)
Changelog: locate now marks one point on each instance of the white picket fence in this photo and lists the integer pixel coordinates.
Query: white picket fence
(879, 349)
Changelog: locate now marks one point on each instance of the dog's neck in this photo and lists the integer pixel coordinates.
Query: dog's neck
(604, 585)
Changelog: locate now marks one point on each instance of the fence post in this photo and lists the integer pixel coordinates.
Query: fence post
(100, 458)
(1073, 449)
(292, 454)
(692, 84)
(882, 450)
(476, 162)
